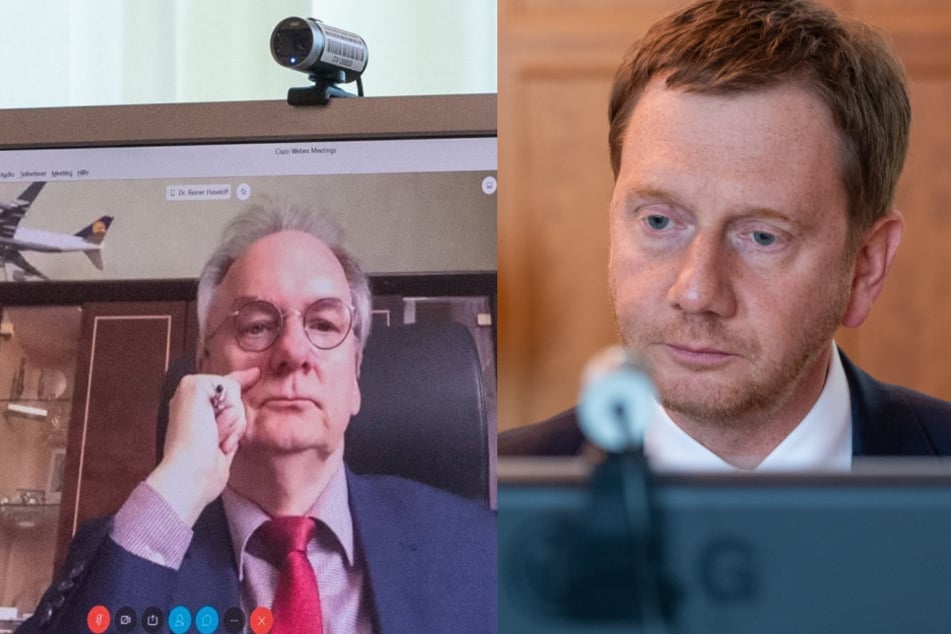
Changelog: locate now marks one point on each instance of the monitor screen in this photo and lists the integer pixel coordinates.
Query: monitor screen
(864, 551)
(106, 217)
(161, 181)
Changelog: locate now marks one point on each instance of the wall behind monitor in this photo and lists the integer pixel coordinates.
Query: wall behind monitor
(96, 52)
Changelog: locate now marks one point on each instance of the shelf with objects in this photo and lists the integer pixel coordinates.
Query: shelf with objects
(37, 363)
(29, 515)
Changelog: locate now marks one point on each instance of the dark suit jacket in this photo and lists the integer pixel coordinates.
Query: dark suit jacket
(430, 565)
(887, 420)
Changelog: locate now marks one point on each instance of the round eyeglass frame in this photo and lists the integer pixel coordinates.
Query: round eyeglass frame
(351, 312)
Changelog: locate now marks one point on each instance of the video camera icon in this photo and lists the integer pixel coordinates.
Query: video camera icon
(125, 619)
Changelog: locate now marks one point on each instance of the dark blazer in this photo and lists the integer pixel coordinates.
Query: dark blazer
(430, 565)
(887, 420)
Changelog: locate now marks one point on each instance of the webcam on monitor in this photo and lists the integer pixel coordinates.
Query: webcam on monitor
(329, 56)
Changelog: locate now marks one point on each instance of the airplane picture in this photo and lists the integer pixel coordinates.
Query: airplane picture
(15, 239)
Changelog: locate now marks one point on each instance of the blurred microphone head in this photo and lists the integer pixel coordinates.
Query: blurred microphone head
(617, 400)
(310, 46)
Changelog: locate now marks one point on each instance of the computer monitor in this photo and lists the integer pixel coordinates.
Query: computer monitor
(864, 552)
(108, 213)
(393, 171)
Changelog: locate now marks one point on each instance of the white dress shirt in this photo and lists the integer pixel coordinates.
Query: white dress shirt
(822, 441)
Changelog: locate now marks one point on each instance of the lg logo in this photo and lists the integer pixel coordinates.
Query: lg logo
(727, 571)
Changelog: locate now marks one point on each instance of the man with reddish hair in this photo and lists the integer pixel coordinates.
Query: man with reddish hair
(756, 146)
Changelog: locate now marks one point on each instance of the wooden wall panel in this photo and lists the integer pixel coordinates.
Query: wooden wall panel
(907, 338)
(568, 276)
(125, 350)
(556, 60)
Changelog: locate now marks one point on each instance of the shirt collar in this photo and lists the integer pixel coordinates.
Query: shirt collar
(821, 441)
(331, 508)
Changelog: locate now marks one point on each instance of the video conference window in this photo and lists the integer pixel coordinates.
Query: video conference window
(407, 207)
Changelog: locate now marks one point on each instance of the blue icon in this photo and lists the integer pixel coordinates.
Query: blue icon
(179, 619)
(206, 620)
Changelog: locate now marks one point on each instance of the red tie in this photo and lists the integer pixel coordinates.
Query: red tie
(296, 606)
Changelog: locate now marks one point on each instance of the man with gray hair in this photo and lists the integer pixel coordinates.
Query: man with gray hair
(251, 504)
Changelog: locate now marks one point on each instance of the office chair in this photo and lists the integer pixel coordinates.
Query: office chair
(423, 411)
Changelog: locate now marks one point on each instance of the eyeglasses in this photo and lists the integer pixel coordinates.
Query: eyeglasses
(259, 323)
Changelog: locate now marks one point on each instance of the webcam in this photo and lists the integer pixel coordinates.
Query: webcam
(329, 55)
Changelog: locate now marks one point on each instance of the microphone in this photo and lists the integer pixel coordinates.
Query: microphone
(616, 401)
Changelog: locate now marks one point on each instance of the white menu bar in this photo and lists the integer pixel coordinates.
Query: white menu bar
(249, 159)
